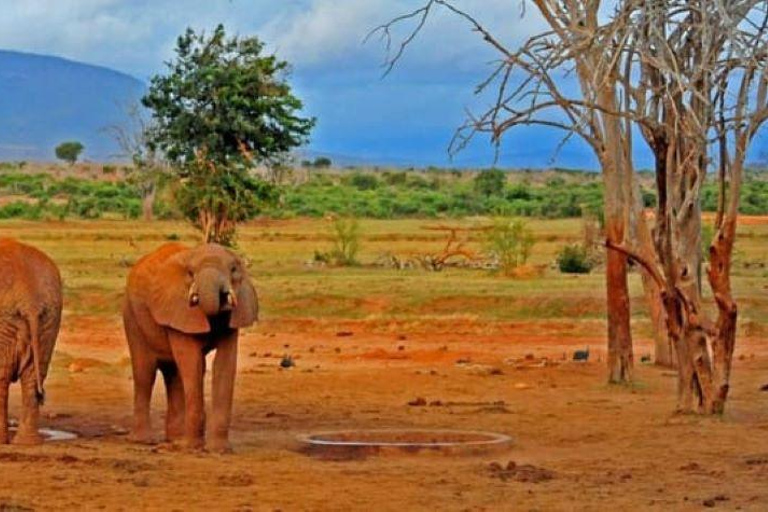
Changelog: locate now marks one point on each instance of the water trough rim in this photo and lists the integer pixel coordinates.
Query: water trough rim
(492, 438)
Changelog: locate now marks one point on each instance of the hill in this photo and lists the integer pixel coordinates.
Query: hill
(46, 100)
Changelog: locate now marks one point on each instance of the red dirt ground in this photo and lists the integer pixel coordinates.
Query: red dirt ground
(605, 448)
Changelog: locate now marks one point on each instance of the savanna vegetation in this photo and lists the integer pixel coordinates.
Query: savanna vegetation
(38, 192)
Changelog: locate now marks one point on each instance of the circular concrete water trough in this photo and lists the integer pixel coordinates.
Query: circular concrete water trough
(353, 444)
(51, 435)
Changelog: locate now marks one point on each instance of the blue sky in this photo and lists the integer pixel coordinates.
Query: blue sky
(407, 117)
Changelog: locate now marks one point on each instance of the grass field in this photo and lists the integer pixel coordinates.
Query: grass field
(453, 337)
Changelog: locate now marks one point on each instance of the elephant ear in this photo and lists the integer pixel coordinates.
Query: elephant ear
(247, 310)
(169, 298)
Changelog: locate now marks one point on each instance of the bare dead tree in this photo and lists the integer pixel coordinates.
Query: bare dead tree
(702, 89)
(149, 166)
(526, 87)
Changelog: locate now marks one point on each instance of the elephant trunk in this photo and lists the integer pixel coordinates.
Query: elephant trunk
(213, 290)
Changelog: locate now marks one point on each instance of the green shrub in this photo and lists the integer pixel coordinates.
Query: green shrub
(490, 182)
(346, 241)
(510, 242)
(394, 178)
(417, 182)
(574, 259)
(364, 181)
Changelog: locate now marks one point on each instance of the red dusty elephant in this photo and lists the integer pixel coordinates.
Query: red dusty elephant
(30, 315)
(180, 304)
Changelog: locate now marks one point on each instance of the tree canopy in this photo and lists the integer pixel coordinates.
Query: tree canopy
(69, 151)
(222, 108)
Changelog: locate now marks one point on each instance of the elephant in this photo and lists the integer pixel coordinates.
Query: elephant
(30, 316)
(180, 304)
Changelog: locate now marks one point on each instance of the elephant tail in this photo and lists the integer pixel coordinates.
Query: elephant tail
(33, 321)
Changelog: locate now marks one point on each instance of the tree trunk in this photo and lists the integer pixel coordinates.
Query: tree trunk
(642, 243)
(620, 356)
(617, 178)
(148, 203)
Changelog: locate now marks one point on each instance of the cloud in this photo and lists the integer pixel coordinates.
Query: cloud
(412, 112)
(325, 33)
(318, 35)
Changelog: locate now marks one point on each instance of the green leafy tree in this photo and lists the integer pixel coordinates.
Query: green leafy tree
(322, 162)
(69, 151)
(222, 108)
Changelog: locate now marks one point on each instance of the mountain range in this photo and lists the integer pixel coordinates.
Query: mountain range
(47, 100)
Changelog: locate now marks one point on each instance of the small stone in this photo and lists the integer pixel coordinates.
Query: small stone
(75, 367)
(495, 466)
(418, 402)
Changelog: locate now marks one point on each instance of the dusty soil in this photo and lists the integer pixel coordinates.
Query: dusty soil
(579, 444)
(377, 348)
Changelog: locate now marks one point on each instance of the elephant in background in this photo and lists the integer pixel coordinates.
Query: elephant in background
(180, 304)
(30, 316)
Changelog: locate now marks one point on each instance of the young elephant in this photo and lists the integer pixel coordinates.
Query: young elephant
(180, 304)
(30, 314)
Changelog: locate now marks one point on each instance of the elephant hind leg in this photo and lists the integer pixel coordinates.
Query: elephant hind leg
(28, 433)
(174, 391)
(4, 411)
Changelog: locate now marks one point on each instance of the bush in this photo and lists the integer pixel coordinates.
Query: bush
(364, 181)
(574, 259)
(394, 178)
(490, 182)
(346, 241)
(510, 241)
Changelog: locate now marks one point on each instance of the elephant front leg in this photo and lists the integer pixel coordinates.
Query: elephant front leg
(144, 374)
(188, 354)
(224, 370)
(4, 412)
(30, 414)
(174, 416)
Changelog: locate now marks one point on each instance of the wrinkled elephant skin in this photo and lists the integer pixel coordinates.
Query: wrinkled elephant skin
(180, 304)
(30, 315)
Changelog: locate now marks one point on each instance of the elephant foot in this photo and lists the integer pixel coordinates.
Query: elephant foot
(140, 437)
(192, 444)
(27, 438)
(174, 435)
(221, 446)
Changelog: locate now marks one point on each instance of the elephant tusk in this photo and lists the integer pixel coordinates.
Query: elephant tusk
(194, 297)
(231, 299)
